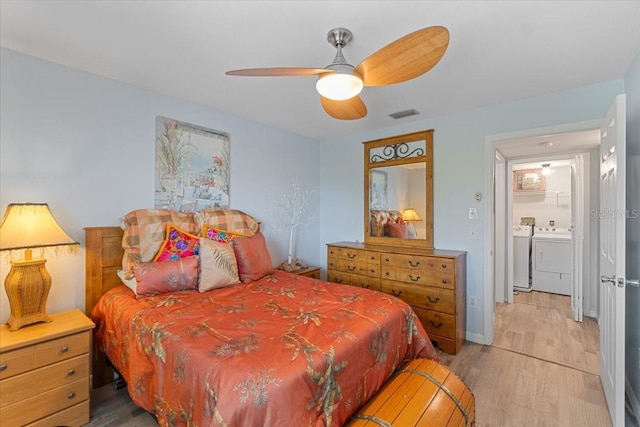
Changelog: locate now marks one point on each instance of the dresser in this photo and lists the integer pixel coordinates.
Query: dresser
(432, 281)
(44, 372)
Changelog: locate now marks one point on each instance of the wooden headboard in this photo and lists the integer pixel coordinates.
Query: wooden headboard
(103, 259)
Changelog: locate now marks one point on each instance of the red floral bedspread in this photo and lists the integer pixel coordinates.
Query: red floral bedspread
(286, 350)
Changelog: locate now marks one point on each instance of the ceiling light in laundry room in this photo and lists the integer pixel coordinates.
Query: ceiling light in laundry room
(546, 169)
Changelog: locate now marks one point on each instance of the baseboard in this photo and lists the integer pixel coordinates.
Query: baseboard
(633, 399)
(591, 313)
(476, 338)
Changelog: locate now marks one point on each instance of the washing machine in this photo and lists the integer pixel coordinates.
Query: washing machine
(521, 256)
(552, 260)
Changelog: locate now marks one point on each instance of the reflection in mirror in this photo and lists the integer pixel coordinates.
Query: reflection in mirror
(397, 201)
(398, 190)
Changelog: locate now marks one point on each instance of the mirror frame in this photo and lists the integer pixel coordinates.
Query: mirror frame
(394, 160)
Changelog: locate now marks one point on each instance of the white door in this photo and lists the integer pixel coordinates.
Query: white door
(612, 261)
(577, 235)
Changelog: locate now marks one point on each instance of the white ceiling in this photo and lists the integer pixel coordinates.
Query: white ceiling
(499, 51)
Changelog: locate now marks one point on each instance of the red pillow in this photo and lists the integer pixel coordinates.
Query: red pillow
(396, 230)
(166, 276)
(253, 257)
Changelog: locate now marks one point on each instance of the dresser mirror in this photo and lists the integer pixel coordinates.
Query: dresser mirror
(398, 190)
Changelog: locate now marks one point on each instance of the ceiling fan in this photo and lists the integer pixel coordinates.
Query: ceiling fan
(340, 82)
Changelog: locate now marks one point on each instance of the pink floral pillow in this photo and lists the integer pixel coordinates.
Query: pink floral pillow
(166, 276)
(178, 244)
(219, 235)
(253, 257)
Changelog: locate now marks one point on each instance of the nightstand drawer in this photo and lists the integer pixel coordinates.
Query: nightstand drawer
(45, 404)
(36, 382)
(62, 348)
(17, 361)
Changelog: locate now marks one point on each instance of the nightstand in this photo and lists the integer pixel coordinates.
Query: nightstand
(309, 272)
(44, 372)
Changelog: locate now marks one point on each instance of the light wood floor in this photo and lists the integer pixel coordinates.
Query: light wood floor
(541, 371)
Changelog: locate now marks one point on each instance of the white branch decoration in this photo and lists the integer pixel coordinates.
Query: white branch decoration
(293, 208)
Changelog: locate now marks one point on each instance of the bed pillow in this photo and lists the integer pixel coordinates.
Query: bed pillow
(144, 233)
(228, 219)
(219, 235)
(396, 230)
(218, 266)
(253, 257)
(177, 244)
(129, 283)
(159, 277)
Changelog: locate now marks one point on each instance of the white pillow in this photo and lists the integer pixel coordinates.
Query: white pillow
(130, 283)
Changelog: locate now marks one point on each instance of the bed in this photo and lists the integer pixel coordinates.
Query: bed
(283, 349)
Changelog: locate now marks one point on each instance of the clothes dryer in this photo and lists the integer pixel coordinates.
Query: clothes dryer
(552, 260)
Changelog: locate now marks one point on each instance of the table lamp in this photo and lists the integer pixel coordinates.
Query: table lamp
(409, 215)
(28, 226)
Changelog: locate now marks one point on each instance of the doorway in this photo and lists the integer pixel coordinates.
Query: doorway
(556, 142)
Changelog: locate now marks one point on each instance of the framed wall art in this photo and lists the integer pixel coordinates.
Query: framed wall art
(528, 181)
(192, 167)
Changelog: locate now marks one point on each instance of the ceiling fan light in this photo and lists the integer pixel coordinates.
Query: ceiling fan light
(339, 86)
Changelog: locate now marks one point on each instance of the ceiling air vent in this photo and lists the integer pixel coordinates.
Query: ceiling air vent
(403, 114)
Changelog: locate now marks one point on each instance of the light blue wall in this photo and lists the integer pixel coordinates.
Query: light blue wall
(632, 88)
(459, 143)
(86, 145)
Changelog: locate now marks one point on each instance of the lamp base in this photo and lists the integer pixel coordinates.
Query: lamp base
(27, 286)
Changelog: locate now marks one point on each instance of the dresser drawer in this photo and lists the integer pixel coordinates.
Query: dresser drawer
(442, 300)
(366, 282)
(62, 348)
(414, 276)
(437, 323)
(357, 255)
(443, 280)
(45, 404)
(415, 262)
(76, 415)
(34, 383)
(442, 265)
(17, 361)
(338, 277)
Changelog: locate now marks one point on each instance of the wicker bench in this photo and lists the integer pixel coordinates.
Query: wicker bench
(421, 393)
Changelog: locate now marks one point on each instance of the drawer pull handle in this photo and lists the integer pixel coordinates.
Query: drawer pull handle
(386, 259)
(436, 325)
(64, 349)
(414, 279)
(444, 281)
(365, 286)
(3, 367)
(398, 293)
(351, 268)
(387, 273)
(414, 264)
(373, 258)
(443, 265)
(433, 300)
(71, 395)
(71, 372)
(339, 280)
(351, 256)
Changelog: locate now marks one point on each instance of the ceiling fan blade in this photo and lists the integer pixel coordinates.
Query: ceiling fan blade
(349, 109)
(406, 58)
(280, 71)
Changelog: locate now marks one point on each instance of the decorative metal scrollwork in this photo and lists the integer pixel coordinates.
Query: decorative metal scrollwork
(397, 151)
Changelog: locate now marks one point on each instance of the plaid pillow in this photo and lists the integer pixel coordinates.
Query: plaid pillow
(228, 219)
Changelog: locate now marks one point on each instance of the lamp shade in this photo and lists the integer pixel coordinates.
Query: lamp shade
(410, 214)
(31, 225)
(344, 84)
